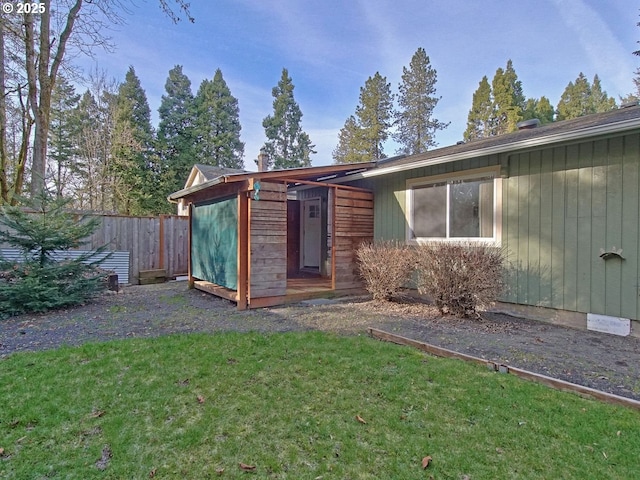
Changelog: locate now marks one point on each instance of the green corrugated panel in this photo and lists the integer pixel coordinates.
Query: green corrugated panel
(214, 243)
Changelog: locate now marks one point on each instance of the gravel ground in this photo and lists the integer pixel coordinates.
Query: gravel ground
(605, 362)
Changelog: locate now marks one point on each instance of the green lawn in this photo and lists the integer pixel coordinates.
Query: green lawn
(196, 406)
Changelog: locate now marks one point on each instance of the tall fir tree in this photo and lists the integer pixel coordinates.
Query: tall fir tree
(217, 125)
(176, 130)
(63, 132)
(287, 145)
(508, 100)
(351, 146)
(375, 115)
(416, 126)
(481, 116)
(133, 154)
(600, 100)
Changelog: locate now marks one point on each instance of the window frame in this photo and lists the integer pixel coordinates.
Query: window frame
(448, 178)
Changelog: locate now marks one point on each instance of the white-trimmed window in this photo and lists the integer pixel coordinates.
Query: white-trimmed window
(449, 207)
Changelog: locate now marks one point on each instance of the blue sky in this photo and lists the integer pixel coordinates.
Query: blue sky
(331, 47)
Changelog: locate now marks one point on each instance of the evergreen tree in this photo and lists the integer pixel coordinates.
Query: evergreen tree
(176, 130)
(133, 154)
(287, 145)
(416, 126)
(351, 146)
(374, 114)
(481, 116)
(600, 100)
(575, 100)
(582, 98)
(540, 109)
(63, 131)
(39, 281)
(217, 127)
(508, 100)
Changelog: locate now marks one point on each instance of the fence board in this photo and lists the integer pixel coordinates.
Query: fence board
(141, 238)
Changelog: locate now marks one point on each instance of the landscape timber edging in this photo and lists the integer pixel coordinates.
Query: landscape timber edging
(583, 391)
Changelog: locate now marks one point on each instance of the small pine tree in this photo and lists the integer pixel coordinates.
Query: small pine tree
(39, 282)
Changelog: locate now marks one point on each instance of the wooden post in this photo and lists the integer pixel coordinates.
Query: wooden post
(243, 249)
(191, 281)
(162, 243)
(333, 201)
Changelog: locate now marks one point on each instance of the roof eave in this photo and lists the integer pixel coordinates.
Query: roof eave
(175, 196)
(550, 139)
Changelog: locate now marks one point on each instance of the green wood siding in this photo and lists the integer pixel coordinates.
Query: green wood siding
(560, 206)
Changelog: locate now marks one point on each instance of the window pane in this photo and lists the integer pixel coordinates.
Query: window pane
(430, 211)
(471, 208)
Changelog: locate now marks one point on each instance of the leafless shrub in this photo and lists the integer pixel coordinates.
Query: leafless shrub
(385, 267)
(459, 278)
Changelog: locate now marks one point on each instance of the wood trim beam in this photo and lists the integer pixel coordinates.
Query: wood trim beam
(334, 203)
(328, 185)
(243, 250)
(189, 244)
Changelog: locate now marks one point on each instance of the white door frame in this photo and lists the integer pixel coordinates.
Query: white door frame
(311, 239)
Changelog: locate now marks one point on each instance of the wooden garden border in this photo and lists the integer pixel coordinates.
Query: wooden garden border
(585, 392)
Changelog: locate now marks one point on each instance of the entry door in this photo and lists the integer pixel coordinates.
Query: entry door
(311, 233)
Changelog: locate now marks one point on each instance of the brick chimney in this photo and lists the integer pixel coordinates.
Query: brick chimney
(263, 160)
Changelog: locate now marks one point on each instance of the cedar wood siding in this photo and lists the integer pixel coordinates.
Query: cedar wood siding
(560, 206)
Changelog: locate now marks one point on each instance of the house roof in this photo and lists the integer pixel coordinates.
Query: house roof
(291, 175)
(589, 126)
(209, 172)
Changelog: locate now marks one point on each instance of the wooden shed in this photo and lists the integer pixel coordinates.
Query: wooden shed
(268, 238)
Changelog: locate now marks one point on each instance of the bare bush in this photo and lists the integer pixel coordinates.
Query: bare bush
(386, 267)
(462, 277)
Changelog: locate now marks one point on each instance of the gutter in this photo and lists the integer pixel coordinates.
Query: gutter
(175, 196)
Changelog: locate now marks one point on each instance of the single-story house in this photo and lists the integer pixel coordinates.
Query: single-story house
(562, 199)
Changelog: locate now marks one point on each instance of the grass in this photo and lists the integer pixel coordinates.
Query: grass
(196, 406)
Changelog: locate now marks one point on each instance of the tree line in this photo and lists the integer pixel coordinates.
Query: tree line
(496, 109)
(499, 106)
(104, 153)
(98, 147)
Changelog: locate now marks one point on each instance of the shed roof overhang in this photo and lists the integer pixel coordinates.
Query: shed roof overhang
(305, 174)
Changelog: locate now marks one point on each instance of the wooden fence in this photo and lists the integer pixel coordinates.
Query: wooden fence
(152, 242)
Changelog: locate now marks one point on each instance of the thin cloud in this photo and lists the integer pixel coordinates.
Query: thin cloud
(609, 58)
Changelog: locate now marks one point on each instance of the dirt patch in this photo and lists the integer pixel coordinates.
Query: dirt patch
(605, 362)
